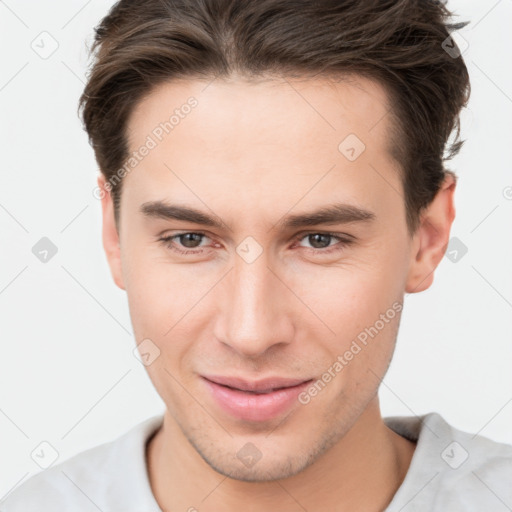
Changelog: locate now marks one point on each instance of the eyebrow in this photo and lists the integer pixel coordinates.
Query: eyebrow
(162, 210)
(331, 214)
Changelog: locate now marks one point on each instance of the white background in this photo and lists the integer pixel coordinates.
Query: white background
(67, 372)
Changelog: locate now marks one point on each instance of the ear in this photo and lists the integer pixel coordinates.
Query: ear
(110, 236)
(431, 238)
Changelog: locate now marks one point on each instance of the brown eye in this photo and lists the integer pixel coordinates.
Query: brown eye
(322, 243)
(319, 240)
(183, 241)
(190, 240)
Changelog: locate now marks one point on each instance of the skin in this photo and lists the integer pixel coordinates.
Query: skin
(251, 154)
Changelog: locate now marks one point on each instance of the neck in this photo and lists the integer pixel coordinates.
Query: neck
(362, 471)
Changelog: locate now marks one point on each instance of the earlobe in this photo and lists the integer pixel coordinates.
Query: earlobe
(110, 235)
(431, 238)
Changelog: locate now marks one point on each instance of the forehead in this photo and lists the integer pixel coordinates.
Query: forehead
(259, 142)
(228, 106)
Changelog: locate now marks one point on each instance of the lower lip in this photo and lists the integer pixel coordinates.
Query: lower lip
(255, 407)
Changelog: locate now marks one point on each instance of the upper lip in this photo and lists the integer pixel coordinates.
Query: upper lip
(260, 385)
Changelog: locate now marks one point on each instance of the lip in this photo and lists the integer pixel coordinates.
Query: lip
(259, 385)
(237, 396)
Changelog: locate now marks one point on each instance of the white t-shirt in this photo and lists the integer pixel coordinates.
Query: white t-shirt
(450, 471)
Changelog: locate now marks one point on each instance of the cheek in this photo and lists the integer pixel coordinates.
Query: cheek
(149, 290)
(158, 302)
(361, 301)
(361, 351)
(161, 303)
(352, 295)
(167, 301)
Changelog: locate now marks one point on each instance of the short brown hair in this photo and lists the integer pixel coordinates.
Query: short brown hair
(399, 43)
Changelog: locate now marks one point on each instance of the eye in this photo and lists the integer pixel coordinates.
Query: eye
(321, 242)
(188, 240)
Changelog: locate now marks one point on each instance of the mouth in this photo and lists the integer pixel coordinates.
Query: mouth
(255, 401)
(262, 392)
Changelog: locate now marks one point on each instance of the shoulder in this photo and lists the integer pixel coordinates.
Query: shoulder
(107, 474)
(452, 469)
(474, 471)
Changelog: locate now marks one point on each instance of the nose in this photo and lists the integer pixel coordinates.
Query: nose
(257, 310)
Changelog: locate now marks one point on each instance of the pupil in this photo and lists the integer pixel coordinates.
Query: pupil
(314, 240)
(190, 239)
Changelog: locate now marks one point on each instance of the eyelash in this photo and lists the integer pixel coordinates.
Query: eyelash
(343, 242)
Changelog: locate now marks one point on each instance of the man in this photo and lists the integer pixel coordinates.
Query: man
(272, 185)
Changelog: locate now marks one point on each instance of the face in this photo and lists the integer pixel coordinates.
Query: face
(259, 290)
